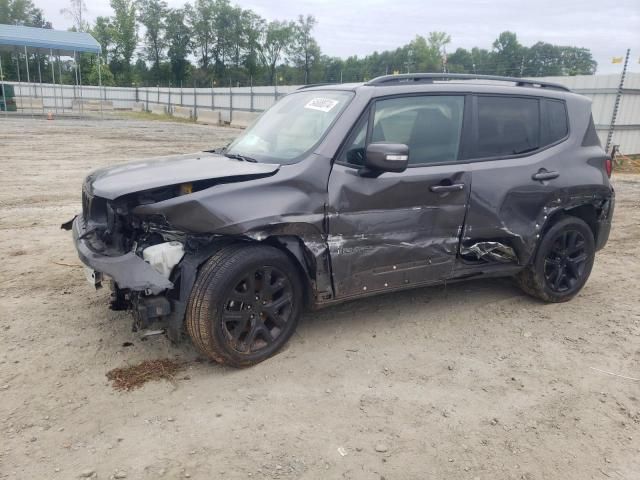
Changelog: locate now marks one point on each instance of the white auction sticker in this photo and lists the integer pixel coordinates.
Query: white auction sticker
(322, 104)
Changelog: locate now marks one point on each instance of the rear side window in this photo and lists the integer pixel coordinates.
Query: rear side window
(554, 121)
(507, 126)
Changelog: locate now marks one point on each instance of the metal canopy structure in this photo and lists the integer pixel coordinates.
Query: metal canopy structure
(44, 40)
(51, 43)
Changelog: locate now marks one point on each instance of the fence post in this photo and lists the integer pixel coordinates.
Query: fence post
(169, 101)
(230, 103)
(213, 105)
(251, 94)
(616, 105)
(195, 102)
(147, 97)
(181, 104)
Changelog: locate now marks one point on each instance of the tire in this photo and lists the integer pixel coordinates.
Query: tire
(245, 304)
(562, 263)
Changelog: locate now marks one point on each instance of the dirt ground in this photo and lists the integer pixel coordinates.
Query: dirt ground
(471, 381)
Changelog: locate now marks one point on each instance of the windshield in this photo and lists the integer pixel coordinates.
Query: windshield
(292, 127)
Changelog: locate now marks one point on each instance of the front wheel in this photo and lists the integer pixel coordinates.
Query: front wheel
(245, 304)
(562, 263)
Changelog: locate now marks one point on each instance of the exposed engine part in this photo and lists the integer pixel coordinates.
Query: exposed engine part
(164, 256)
(149, 309)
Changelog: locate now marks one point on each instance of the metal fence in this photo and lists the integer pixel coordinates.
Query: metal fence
(241, 104)
(73, 99)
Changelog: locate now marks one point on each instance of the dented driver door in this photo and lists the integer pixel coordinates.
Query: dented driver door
(399, 229)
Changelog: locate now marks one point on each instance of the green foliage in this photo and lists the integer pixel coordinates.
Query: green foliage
(178, 40)
(153, 15)
(125, 39)
(235, 46)
(76, 11)
(94, 75)
(22, 12)
(303, 49)
(275, 39)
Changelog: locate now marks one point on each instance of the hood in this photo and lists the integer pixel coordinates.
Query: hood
(113, 182)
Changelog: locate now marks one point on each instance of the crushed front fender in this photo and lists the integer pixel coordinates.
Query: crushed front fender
(127, 270)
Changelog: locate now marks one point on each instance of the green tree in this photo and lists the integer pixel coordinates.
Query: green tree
(105, 72)
(460, 61)
(22, 12)
(178, 40)
(577, 61)
(125, 39)
(542, 59)
(76, 11)
(275, 39)
(438, 42)
(102, 31)
(509, 55)
(254, 26)
(201, 18)
(153, 14)
(303, 49)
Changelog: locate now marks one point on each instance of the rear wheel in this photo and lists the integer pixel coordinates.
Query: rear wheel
(245, 304)
(562, 263)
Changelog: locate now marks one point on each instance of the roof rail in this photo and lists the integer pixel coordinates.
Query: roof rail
(310, 85)
(430, 77)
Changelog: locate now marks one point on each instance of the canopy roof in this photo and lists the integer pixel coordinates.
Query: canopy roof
(44, 39)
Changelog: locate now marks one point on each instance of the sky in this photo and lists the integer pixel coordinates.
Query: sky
(360, 27)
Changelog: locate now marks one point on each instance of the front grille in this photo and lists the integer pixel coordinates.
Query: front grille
(93, 208)
(86, 204)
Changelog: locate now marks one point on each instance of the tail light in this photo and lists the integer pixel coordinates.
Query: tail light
(608, 166)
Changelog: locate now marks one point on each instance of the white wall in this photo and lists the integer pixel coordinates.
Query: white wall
(600, 88)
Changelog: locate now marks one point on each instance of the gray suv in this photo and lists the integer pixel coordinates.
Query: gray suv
(343, 191)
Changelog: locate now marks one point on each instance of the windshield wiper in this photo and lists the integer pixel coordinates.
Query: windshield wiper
(242, 158)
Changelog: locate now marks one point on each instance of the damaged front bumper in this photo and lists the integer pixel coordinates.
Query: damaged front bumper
(128, 270)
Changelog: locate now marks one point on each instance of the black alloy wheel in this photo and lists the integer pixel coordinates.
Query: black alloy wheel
(565, 262)
(257, 310)
(245, 304)
(562, 263)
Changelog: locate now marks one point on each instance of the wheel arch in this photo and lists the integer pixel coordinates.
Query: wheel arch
(586, 212)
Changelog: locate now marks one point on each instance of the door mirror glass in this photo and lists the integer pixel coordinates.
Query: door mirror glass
(386, 157)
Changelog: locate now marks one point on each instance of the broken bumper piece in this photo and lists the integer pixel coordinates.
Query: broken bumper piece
(128, 270)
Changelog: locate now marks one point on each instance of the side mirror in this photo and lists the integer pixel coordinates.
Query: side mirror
(386, 157)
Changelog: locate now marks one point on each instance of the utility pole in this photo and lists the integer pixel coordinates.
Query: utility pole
(616, 105)
(522, 66)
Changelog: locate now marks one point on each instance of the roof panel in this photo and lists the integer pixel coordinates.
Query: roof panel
(60, 41)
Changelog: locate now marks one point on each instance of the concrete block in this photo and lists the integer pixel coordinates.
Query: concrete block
(243, 119)
(182, 112)
(209, 117)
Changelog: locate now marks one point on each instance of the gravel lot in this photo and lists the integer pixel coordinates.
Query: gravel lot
(471, 381)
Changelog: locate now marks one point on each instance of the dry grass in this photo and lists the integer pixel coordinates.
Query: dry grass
(627, 164)
(147, 116)
(134, 376)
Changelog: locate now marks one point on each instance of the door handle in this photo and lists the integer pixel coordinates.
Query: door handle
(544, 174)
(456, 187)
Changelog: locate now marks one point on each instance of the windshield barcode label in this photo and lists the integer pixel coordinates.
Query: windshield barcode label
(322, 104)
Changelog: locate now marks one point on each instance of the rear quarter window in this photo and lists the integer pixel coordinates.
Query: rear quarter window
(555, 125)
(507, 126)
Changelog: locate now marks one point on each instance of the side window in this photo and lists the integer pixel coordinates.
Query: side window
(354, 153)
(507, 126)
(554, 121)
(429, 125)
